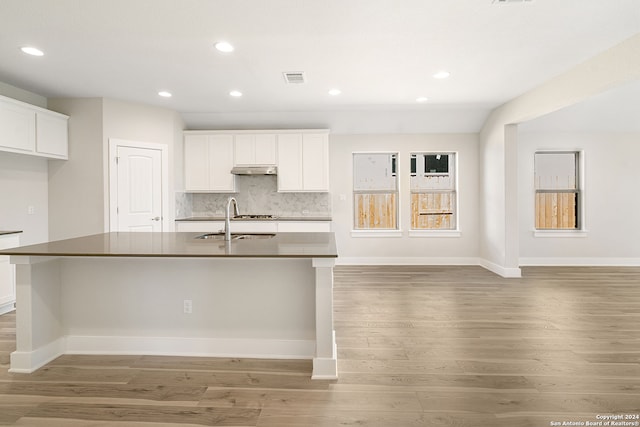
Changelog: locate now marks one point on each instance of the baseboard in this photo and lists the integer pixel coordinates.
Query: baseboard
(407, 261)
(507, 272)
(178, 346)
(26, 362)
(577, 262)
(7, 308)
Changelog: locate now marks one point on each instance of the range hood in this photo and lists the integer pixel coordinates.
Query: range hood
(254, 170)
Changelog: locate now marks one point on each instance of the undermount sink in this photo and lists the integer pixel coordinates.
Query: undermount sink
(236, 236)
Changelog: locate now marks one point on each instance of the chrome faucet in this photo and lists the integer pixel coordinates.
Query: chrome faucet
(227, 217)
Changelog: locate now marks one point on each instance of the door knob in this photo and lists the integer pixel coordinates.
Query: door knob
(155, 219)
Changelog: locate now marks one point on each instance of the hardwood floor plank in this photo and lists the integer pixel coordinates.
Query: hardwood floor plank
(206, 416)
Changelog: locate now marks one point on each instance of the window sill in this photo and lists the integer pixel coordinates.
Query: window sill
(560, 233)
(376, 233)
(435, 233)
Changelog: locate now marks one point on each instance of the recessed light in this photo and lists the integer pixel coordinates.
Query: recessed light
(235, 93)
(335, 92)
(441, 74)
(422, 99)
(225, 47)
(164, 94)
(29, 50)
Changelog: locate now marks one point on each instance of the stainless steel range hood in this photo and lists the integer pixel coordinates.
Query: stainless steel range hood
(254, 170)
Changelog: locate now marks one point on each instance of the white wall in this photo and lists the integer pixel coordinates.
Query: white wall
(610, 197)
(23, 183)
(499, 247)
(404, 249)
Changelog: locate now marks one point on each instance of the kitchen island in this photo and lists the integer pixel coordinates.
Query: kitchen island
(176, 294)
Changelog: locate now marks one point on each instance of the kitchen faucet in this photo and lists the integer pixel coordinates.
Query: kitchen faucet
(227, 217)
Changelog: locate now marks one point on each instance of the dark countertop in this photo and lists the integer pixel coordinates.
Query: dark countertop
(4, 232)
(176, 245)
(283, 218)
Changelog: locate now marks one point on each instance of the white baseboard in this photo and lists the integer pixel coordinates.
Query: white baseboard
(577, 261)
(177, 346)
(26, 362)
(7, 308)
(506, 272)
(407, 261)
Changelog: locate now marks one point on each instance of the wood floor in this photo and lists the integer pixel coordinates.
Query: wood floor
(418, 346)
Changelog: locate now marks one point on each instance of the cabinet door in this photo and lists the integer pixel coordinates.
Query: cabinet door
(51, 135)
(244, 149)
(290, 162)
(196, 163)
(304, 226)
(265, 149)
(315, 162)
(200, 226)
(17, 128)
(221, 163)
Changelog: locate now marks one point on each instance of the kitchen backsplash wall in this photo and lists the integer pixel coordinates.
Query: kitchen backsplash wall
(255, 195)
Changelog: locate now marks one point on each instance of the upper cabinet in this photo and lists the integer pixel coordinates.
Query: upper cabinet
(28, 129)
(208, 160)
(254, 149)
(301, 157)
(303, 162)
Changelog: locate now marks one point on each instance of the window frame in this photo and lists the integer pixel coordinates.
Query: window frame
(453, 190)
(580, 229)
(394, 165)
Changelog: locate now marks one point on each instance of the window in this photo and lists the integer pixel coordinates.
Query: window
(375, 191)
(433, 191)
(557, 191)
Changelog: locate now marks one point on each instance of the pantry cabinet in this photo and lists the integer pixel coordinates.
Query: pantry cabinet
(27, 129)
(208, 160)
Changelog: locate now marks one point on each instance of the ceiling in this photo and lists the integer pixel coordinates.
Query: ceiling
(380, 53)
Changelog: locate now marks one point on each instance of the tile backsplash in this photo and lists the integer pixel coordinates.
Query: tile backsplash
(255, 195)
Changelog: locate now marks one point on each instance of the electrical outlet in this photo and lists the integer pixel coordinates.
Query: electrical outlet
(31, 210)
(188, 306)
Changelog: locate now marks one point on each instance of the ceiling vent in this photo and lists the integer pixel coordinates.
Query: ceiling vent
(293, 77)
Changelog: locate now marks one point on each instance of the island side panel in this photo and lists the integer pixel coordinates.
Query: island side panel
(249, 307)
(39, 329)
(325, 362)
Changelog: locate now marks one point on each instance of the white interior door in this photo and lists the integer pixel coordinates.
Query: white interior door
(139, 189)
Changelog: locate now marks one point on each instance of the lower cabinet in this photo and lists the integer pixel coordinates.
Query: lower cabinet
(304, 226)
(255, 226)
(7, 274)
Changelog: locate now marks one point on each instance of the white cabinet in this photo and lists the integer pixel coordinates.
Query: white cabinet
(200, 226)
(303, 162)
(255, 226)
(304, 226)
(289, 162)
(28, 129)
(7, 274)
(17, 127)
(208, 160)
(255, 149)
(52, 139)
